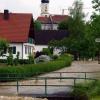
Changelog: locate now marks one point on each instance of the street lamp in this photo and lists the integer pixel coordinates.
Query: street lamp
(98, 41)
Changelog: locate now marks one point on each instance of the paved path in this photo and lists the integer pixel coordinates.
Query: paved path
(75, 67)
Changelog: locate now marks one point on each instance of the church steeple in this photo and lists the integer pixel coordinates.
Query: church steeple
(44, 7)
(45, 1)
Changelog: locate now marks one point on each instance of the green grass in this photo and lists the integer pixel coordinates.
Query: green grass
(96, 98)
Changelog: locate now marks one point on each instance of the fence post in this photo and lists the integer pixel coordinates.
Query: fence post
(45, 86)
(74, 82)
(17, 87)
(60, 76)
(85, 76)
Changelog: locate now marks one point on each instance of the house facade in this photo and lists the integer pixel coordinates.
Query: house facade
(51, 22)
(18, 30)
(43, 37)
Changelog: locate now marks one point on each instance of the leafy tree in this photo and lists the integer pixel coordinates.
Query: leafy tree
(63, 25)
(76, 27)
(37, 25)
(3, 46)
(95, 24)
(96, 5)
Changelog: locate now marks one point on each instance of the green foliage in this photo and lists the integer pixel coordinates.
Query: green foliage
(63, 25)
(31, 70)
(90, 89)
(30, 59)
(10, 58)
(96, 5)
(54, 57)
(46, 51)
(37, 25)
(3, 46)
(16, 60)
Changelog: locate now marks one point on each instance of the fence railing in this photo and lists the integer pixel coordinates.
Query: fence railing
(59, 77)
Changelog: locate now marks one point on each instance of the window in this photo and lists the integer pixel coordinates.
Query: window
(30, 40)
(29, 49)
(5, 50)
(12, 49)
(25, 49)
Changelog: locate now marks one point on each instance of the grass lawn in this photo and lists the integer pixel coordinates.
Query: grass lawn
(96, 98)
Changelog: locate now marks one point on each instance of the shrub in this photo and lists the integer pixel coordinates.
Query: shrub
(54, 57)
(3, 61)
(16, 60)
(89, 89)
(30, 59)
(10, 59)
(46, 51)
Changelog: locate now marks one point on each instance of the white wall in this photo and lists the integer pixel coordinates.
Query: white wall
(55, 26)
(46, 27)
(40, 47)
(49, 27)
(20, 47)
(31, 46)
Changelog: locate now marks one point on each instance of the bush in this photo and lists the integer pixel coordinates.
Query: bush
(10, 59)
(88, 89)
(3, 61)
(46, 51)
(54, 57)
(33, 69)
(30, 59)
(16, 60)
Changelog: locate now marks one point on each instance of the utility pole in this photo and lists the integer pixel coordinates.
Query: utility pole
(63, 11)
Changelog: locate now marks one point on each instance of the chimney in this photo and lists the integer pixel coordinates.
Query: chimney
(6, 14)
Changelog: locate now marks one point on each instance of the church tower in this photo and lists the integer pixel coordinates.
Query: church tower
(44, 7)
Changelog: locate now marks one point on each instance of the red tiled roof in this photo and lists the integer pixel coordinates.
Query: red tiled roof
(59, 18)
(44, 19)
(16, 28)
(52, 18)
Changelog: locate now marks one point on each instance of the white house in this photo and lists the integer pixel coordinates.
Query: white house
(51, 22)
(18, 30)
(43, 37)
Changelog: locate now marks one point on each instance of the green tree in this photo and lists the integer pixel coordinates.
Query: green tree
(76, 27)
(3, 46)
(95, 24)
(63, 25)
(37, 25)
(96, 5)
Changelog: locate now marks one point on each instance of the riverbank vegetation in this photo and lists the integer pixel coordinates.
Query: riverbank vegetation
(89, 90)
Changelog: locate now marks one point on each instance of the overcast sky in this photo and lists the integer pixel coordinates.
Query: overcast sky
(33, 6)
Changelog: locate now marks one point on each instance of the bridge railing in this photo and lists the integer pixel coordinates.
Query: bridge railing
(46, 79)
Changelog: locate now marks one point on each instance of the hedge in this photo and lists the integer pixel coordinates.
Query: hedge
(23, 71)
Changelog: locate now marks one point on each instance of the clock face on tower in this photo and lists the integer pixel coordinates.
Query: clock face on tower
(44, 7)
